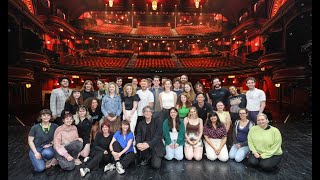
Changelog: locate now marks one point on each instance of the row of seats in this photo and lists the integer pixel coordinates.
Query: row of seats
(112, 28)
(154, 53)
(197, 29)
(98, 62)
(144, 30)
(208, 62)
(154, 63)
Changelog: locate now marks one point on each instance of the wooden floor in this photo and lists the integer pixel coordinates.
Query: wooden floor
(296, 163)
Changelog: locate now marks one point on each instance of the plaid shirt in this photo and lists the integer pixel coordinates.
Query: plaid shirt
(57, 101)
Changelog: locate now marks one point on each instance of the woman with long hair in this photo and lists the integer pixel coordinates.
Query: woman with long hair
(173, 133)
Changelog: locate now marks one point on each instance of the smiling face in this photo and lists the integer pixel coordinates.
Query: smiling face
(220, 106)
(243, 114)
(125, 127)
(251, 84)
(45, 117)
(99, 84)
(216, 83)
(173, 113)
(64, 83)
(68, 120)
(262, 121)
(183, 98)
(76, 95)
(187, 88)
(129, 90)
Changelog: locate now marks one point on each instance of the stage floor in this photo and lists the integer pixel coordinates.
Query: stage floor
(295, 164)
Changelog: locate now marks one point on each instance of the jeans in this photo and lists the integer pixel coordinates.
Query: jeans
(39, 165)
(74, 148)
(252, 115)
(238, 154)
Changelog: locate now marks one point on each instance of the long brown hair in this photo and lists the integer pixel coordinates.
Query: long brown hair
(180, 103)
(177, 120)
(71, 99)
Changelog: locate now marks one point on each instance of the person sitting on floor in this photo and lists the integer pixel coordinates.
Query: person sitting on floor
(173, 133)
(215, 135)
(121, 148)
(241, 128)
(265, 144)
(40, 140)
(100, 153)
(67, 144)
(149, 139)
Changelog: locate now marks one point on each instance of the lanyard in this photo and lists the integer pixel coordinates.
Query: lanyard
(45, 130)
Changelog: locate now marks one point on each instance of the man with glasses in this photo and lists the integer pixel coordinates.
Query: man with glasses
(149, 143)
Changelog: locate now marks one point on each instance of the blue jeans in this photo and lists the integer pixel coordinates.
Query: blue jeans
(238, 154)
(39, 165)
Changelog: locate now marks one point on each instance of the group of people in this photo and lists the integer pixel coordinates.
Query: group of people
(114, 125)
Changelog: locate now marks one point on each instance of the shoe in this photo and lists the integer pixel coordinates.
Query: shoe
(77, 162)
(109, 167)
(54, 161)
(119, 168)
(86, 159)
(84, 171)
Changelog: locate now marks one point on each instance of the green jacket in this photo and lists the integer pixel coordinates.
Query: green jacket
(166, 134)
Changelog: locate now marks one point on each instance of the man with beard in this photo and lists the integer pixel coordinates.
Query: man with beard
(218, 93)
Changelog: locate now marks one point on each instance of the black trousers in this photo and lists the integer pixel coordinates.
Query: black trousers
(155, 160)
(98, 158)
(266, 164)
(127, 158)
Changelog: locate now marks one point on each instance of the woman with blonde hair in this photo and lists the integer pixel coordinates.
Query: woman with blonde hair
(265, 144)
(129, 105)
(111, 107)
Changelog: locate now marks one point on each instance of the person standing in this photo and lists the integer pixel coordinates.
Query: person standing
(58, 98)
(236, 101)
(256, 100)
(218, 93)
(87, 90)
(146, 98)
(111, 107)
(156, 89)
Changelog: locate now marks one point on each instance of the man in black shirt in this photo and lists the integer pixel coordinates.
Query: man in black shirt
(149, 143)
(218, 93)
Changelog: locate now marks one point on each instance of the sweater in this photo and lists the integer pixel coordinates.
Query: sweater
(166, 134)
(266, 142)
(64, 136)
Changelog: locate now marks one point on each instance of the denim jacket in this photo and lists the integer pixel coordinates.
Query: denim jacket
(111, 105)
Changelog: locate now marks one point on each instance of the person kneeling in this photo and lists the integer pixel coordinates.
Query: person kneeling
(121, 148)
(215, 135)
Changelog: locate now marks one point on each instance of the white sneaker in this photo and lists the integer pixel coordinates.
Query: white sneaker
(86, 159)
(109, 167)
(84, 171)
(119, 168)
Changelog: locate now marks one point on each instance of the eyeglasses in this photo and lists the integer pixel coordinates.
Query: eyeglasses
(242, 113)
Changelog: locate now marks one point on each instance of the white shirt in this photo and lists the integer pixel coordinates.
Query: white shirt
(145, 98)
(254, 97)
(167, 99)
